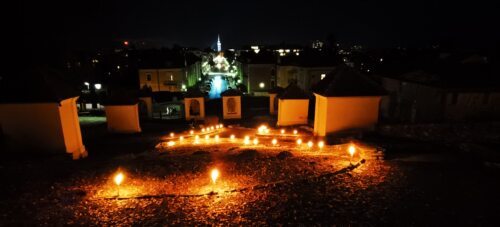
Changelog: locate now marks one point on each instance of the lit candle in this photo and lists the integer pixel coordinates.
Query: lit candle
(255, 141)
(118, 179)
(282, 131)
(171, 143)
(197, 139)
(214, 174)
(191, 132)
(295, 131)
(203, 130)
(351, 150)
(299, 142)
(216, 138)
(181, 138)
(232, 137)
(310, 144)
(207, 138)
(274, 141)
(321, 144)
(172, 134)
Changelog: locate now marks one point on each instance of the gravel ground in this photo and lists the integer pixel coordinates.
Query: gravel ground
(259, 185)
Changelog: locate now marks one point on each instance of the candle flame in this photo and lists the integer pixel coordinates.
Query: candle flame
(352, 150)
(274, 141)
(171, 143)
(172, 134)
(255, 141)
(310, 144)
(216, 138)
(214, 174)
(191, 132)
(321, 144)
(232, 137)
(295, 132)
(181, 138)
(119, 178)
(282, 131)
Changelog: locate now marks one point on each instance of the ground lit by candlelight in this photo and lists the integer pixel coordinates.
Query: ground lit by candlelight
(266, 183)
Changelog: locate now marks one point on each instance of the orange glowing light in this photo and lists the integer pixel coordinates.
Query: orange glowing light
(255, 141)
(232, 137)
(125, 43)
(181, 138)
(214, 174)
(352, 150)
(310, 144)
(321, 144)
(118, 179)
(171, 143)
(274, 141)
(299, 141)
(172, 134)
(207, 138)
(295, 131)
(216, 138)
(191, 132)
(203, 130)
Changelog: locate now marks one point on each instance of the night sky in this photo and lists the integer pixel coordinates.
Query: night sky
(97, 24)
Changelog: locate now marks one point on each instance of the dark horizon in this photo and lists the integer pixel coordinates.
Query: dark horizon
(100, 24)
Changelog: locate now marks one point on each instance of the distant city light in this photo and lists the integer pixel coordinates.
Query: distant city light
(98, 86)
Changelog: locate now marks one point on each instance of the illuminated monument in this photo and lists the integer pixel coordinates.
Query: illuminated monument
(220, 73)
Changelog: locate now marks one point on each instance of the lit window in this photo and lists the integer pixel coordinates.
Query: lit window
(323, 76)
(262, 85)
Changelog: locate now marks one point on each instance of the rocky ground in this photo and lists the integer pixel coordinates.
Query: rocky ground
(258, 185)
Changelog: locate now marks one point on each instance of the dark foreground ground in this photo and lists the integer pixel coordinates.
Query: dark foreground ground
(412, 183)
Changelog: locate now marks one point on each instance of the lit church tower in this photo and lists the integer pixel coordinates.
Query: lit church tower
(219, 44)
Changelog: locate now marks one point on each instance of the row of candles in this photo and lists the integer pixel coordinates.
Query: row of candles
(246, 141)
